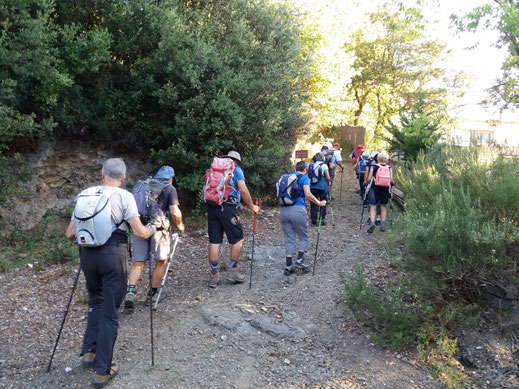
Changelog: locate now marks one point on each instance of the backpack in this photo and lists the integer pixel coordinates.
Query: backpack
(358, 151)
(288, 188)
(315, 173)
(146, 194)
(218, 181)
(383, 176)
(328, 160)
(92, 216)
(362, 163)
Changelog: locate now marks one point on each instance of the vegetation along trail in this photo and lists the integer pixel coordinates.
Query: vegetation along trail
(284, 332)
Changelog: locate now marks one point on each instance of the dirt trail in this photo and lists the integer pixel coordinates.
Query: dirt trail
(290, 332)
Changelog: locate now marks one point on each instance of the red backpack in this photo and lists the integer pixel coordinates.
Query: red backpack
(358, 151)
(383, 176)
(218, 181)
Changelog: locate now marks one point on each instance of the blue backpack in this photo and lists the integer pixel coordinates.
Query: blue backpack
(362, 164)
(146, 193)
(315, 172)
(288, 188)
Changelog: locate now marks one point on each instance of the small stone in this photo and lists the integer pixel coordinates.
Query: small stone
(398, 356)
(264, 309)
(223, 337)
(287, 361)
(68, 369)
(479, 347)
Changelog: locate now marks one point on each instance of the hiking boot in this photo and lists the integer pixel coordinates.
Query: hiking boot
(289, 270)
(129, 300)
(214, 280)
(371, 229)
(101, 380)
(235, 275)
(301, 265)
(382, 229)
(154, 297)
(87, 359)
(377, 222)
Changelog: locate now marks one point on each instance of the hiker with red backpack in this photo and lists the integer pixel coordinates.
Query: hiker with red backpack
(292, 189)
(166, 202)
(224, 187)
(380, 177)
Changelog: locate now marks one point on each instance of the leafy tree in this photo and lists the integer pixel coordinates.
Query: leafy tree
(418, 130)
(502, 16)
(395, 62)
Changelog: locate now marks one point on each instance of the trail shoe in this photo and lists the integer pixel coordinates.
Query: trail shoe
(87, 359)
(301, 265)
(377, 222)
(154, 296)
(129, 300)
(235, 275)
(101, 380)
(289, 270)
(382, 229)
(371, 229)
(214, 280)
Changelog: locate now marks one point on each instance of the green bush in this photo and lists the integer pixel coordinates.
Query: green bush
(461, 209)
(391, 320)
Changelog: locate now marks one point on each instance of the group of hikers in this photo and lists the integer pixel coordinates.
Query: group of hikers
(104, 214)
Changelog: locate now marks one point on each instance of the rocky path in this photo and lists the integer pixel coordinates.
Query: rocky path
(289, 332)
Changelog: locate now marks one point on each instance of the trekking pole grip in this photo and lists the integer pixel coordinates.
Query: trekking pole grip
(256, 202)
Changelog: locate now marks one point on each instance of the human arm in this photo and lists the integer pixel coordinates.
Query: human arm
(368, 176)
(70, 231)
(311, 197)
(140, 230)
(176, 216)
(327, 177)
(247, 199)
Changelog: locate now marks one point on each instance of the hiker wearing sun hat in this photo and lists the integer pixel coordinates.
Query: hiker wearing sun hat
(224, 188)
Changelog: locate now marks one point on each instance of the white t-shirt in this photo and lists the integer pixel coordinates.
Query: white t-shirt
(337, 156)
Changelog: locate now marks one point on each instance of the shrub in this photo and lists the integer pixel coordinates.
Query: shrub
(391, 320)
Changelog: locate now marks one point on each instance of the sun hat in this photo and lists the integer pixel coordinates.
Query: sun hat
(165, 173)
(236, 157)
(373, 154)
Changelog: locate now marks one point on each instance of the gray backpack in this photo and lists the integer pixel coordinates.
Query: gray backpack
(92, 216)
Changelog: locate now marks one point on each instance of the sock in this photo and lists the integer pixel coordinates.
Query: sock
(289, 261)
(234, 264)
(131, 288)
(371, 223)
(300, 255)
(214, 267)
(383, 223)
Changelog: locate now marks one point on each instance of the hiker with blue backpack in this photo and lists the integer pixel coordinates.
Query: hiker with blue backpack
(154, 208)
(100, 222)
(292, 189)
(380, 178)
(320, 182)
(223, 189)
(361, 166)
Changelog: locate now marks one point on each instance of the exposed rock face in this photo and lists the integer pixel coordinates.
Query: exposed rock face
(61, 171)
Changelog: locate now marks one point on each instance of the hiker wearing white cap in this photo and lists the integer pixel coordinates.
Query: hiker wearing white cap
(224, 188)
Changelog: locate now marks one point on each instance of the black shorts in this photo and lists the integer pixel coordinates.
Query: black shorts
(224, 219)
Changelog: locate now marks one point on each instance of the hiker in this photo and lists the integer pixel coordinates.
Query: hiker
(382, 176)
(319, 186)
(294, 221)
(336, 159)
(224, 218)
(105, 270)
(372, 162)
(159, 243)
(361, 166)
(355, 154)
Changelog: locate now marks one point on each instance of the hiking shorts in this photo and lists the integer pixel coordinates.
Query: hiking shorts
(224, 219)
(378, 196)
(160, 245)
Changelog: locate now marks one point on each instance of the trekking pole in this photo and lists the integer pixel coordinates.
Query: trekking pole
(176, 237)
(65, 316)
(331, 209)
(151, 306)
(367, 189)
(317, 243)
(252, 251)
(340, 190)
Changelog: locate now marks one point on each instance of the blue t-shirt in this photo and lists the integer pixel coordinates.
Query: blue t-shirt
(234, 195)
(303, 180)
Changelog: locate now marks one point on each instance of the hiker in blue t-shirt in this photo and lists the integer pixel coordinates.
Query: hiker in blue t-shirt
(320, 190)
(294, 221)
(225, 218)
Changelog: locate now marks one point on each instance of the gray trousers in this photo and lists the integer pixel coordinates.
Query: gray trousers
(294, 221)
